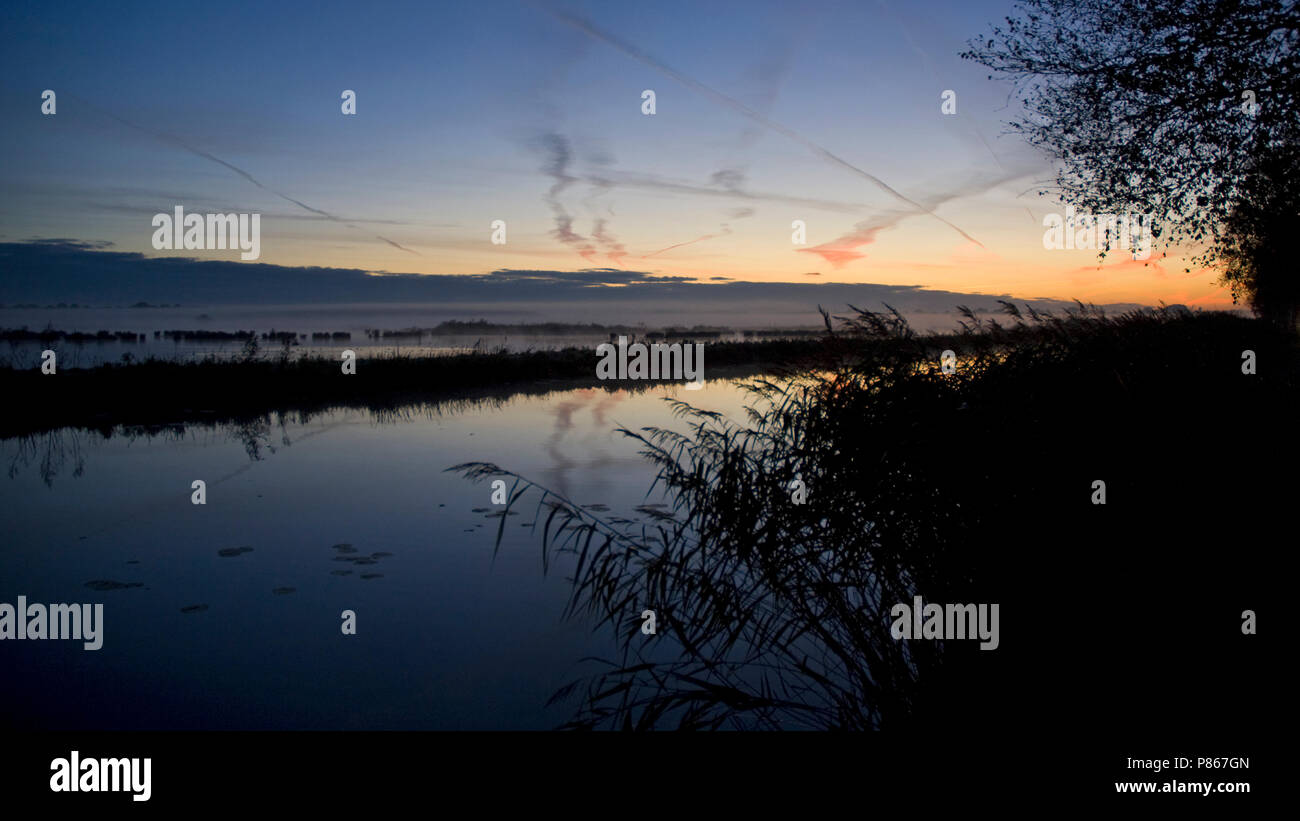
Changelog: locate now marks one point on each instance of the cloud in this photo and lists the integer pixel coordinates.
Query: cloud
(556, 158)
(613, 248)
(71, 244)
(64, 270)
(844, 248)
(735, 105)
(1120, 263)
(226, 209)
(169, 138)
(731, 180)
(683, 244)
(588, 276)
(655, 183)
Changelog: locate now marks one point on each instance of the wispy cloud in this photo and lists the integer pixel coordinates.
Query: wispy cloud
(658, 183)
(556, 159)
(176, 141)
(681, 245)
(844, 248)
(613, 248)
(735, 105)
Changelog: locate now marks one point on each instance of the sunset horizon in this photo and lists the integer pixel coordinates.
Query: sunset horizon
(741, 148)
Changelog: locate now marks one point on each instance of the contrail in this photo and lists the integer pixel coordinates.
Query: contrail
(725, 230)
(241, 172)
(613, 248)
(680, 244)
(555, 146)
(925, 58)
(736, 105)
(843, 249)
(654, 183)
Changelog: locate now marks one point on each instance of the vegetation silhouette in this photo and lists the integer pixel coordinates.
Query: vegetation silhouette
(156, 391)
(1257, 252)
(969, 487)
(1185, 110)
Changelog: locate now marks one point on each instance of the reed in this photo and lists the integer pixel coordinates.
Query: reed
(969, 486)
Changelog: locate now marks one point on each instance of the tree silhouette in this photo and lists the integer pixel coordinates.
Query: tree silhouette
(1256, 250)
(1182, 109)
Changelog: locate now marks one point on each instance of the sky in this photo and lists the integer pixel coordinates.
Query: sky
(531, 113)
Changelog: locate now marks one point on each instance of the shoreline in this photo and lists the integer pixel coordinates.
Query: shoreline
(163, 392)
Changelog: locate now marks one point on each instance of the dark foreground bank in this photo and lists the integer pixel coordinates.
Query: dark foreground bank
(1114, 493)
(158, 392)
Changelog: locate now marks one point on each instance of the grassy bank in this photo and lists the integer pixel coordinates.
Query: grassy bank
(162, 392)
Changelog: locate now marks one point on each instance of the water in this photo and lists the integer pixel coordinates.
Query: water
(448, 637)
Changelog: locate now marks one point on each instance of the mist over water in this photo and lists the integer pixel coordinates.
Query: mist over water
(357, 318)
(307, 317)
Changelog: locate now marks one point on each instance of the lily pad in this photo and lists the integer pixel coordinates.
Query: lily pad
(109, 584)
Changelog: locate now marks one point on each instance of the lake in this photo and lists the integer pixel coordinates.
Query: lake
(448, 636)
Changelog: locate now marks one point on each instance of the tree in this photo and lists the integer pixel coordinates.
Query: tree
(1257, 250)
(1182, 109)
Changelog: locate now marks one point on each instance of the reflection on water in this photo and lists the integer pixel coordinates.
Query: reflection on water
(227, 614)
(51, 454)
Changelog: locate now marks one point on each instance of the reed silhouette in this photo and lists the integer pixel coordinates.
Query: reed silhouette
(974, 486)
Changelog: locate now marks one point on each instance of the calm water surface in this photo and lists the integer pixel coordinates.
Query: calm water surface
(447, 635)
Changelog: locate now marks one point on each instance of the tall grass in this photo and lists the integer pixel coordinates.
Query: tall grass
(958, 487)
